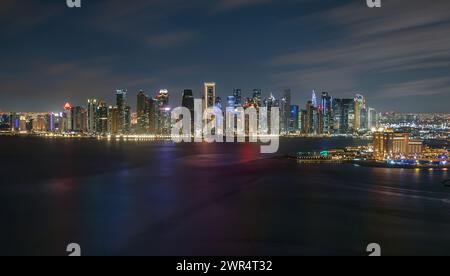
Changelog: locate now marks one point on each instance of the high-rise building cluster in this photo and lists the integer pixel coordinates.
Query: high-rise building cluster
(325, 115)
(97, 118)
(322, 115)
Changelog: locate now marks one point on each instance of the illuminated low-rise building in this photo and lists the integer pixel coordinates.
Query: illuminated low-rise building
(387, 143)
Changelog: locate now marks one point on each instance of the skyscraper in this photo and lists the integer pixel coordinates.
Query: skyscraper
(294, 124)
(68, 117)
(127, 127)
(364, 123)
(141, 103)
(344, 116)
(372, 118)
(309, 120)
(231, 103)
(5, 122)
(39, 124)
(102, 118)
(163, 112)
(209, 95)
(188, 102)
(121, 102)
(92, 116)
(314, 99)
(49, 122)
(113, 120)
(269, 103)
(79, 119)
(327, 113)
(218, 102)
(15, 121)
(257, 94)
(237, 93)
(304, 121)
(163, 98)
(285, 107)
(152, 115)
(360, 104)
(142, 112)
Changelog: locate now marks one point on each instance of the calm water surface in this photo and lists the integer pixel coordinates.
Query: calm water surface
(144, 198)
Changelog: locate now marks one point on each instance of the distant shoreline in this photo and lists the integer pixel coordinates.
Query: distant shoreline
(377, 164)
(371, 164)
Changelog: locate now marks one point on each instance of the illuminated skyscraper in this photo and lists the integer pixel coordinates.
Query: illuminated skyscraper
(163, 98)
(304, 121)
(22, 123)
(231, 103)
(372, 118)
(39, 124)
(5, 122)
(285, 110)
(237, 93)
(360, 104)
(344, 116)
(49, 122)
(257, 94)
(309, 120)
(127, 127)
(364, 123)
(218, 102)
(142, 112)
(152, 115)
(15, 121)
(121, 103)
(102, 118)
(270, 103)
(209, 95)
(68, 126)
(113, 120)
(79, 119)
(92, 116)
(327, 113)
(294, 124)
(314, 99)
(163, 118)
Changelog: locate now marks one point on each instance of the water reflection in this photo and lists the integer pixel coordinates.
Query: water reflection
(213, 199)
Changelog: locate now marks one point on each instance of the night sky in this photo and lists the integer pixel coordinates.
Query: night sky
(397, 55)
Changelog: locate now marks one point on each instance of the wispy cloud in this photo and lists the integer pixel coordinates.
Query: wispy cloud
(399, 43)
(172, 39)
(424, 87)
(70, 81)
(228, 5)
(17, 16)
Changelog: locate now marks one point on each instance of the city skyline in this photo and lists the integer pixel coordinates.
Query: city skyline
(177, 101)
(58, 53)
(322, 115)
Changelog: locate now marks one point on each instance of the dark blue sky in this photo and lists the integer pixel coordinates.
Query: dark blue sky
(398, 55)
